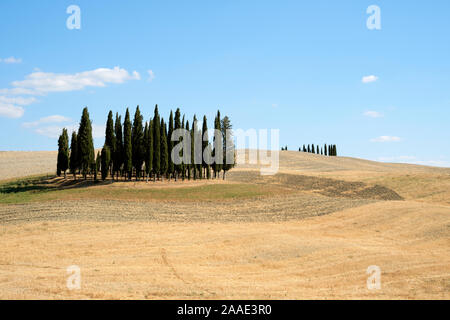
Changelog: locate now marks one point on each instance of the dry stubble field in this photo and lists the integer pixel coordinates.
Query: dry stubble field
(310, 231)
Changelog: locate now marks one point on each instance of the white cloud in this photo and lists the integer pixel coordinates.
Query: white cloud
(53, 131)
(386, 139)
(40, 83)
(373, 114)
(10, 111)
(50, 119)
(151, 75)
(368, 79)
(11, 107)
(11, 60)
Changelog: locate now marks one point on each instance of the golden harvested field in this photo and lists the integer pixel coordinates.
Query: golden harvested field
(309, 232)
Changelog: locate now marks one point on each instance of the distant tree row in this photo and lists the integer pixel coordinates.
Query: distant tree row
(329, 150)
(144, 150)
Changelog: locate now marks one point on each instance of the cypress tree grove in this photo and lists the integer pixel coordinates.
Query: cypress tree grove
(127, 145)
(156, 143)
(228, 146)
(325, 149)
(110, 136)
(85, 143)
(74, 155)
(63, 153)
(106, 159)
(137, 135)
(118, 150)
(164, 150)
(170, 169)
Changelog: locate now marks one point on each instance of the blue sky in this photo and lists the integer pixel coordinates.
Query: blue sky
(293, 65)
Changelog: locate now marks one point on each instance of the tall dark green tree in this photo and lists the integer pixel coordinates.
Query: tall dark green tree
(183, 165)
(325, 148)
(188, 164)
(164, 149)
(110, 137)
(118, 154)
(98, 165)
(177, 167)
(106, 159)
(171, 168)
(156, 143)
(149, 150)
(313, 150)
(205, 148)
(194, 135)
(74, 155)
(218, 146)
(137, 135)
(85, 144)
(228, 146)
(63, 153)
(127, 145)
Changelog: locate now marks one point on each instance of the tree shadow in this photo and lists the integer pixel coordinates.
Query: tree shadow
(47, 184)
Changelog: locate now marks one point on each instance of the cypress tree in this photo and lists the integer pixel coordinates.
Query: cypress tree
(205, 146)
(58, 159)
(325, 149)
(183, 165)
(105, 159)
(164, 149)
(137, 135)
(110, 137)
(118, 154)
(145, 146)
(74, 155)
(309, 149)
(188, 165)
(193, 137)
(218, 146)
(156, 143)
(127, 144)
(63, 153)
(98, 165)
(177, 167)
(228, 145)
(313, 150)
(149, 154)
(85, 143)
(170, 169)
